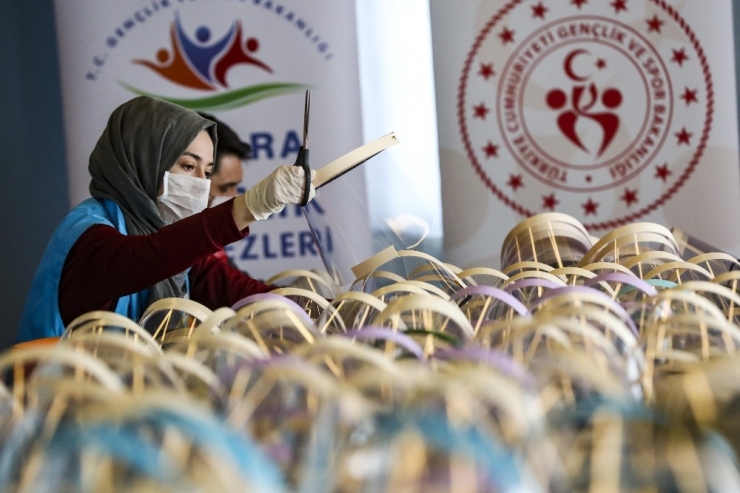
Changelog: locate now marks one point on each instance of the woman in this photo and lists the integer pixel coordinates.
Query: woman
(146, 234)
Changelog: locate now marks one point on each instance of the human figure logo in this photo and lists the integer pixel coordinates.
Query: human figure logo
(199, 63)
(192, 63)
(583, 98)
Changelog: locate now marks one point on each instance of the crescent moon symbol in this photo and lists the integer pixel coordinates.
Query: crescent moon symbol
(568, 64)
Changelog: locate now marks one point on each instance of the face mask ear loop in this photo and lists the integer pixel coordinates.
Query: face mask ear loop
(165, 184)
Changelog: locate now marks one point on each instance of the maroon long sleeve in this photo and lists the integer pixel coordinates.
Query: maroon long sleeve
(104, 265)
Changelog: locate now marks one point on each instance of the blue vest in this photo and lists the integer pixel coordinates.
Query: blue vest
(41, 317)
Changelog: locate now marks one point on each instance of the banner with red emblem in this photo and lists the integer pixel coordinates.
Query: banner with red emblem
(612, 111)
(247, 62)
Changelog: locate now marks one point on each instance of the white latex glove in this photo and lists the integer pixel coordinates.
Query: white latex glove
(282, 187)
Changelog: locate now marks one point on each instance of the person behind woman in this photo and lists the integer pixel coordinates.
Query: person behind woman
(227, 174)
(231, 152)
(146, 233)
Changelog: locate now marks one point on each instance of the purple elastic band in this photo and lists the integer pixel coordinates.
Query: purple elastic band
(529, 282)
(623, 278)
(384, 333)
(491, 357)
(619, 309)
(495, 293)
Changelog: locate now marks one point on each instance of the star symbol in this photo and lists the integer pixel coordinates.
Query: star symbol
(578, 3)
(601, 64)
(683, 136)
(491, 150)
(589, 208)
(539, 11)
(619, 5)
(480, 111)
(507, 36)
(689, 96)
(679, 56)
(663, 172)
(654, 24)
(629, 196)
(515, 182)
(486, 70)
(549, 201)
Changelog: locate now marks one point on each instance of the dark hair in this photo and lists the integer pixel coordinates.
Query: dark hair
(228, 141)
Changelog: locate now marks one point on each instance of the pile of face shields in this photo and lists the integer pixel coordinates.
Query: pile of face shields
(582, 364)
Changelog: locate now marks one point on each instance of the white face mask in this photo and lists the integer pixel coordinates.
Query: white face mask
(183, 196)
(219, 199)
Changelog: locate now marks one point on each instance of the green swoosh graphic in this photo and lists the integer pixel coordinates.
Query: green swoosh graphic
(228, 100)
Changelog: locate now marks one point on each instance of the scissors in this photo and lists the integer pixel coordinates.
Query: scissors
(302, 158)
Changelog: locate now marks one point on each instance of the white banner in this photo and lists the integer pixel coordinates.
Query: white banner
(249, 63)
(612, 111)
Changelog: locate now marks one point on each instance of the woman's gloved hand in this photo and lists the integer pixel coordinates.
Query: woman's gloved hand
(282, 187)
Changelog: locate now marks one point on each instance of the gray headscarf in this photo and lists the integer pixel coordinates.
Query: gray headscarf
(144, 138)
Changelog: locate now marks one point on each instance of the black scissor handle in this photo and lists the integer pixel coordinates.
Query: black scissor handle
(302, 158)
(302, 161)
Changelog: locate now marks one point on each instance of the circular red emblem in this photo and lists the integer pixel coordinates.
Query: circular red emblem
(591, 110)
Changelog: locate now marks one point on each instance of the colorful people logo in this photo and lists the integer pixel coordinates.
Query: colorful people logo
(584, 97)
(199, 64)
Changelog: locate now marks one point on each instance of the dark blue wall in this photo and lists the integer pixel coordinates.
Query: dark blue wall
(33, 183)
(736, 24)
